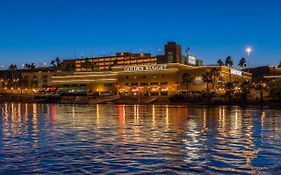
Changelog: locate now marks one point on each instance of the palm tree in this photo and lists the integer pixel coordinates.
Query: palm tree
(229, 87)
(53, 63)
(207, 78)
(261, 86)
(242, 63)
(30, 66)
(13, 68)
(57, 63)
(23, 82)
(186, 80)
(214, 75)
(229, 62)
(220, 62)
(245, 88)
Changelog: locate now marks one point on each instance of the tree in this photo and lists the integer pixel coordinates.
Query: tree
(229, 87)
(261, 87)
(23, 82)
(13, 68)
(30, 66)
(229, 62)
(207, 78)
(57, 63)
(242, 63)
(220, 62)
(214, 76)
(186, 80)
(245, 88)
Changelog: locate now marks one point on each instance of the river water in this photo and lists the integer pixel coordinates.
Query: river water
(135, 139)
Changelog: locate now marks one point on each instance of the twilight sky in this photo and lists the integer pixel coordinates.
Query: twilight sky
(39, 30)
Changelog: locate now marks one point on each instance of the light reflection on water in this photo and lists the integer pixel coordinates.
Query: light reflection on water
(132, 139)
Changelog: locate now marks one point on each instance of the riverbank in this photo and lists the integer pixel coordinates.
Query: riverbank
(57, 99)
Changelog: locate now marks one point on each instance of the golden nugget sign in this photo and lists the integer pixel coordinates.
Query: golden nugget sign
(146, 68)
(235, 72)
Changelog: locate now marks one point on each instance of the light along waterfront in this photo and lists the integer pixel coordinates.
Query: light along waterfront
(76, 139)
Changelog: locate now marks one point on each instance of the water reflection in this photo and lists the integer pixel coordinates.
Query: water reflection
(41, 138)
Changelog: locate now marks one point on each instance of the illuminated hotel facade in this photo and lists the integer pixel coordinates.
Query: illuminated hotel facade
(128, 74)
(148, 80)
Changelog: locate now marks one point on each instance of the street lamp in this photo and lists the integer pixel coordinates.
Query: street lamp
(248, 50)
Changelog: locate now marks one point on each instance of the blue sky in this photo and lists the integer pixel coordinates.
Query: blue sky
(38, 31)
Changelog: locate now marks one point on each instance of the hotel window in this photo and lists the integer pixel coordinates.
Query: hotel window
(154, 83)
(108, 84)
(134, 84)
(127, 77)
(154, 93)
(45, 79)
(164, 83)
(143, 84)
(143, 76)
(154, 76)
(126, 84)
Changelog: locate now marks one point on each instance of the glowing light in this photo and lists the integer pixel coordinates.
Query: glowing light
(248, 50)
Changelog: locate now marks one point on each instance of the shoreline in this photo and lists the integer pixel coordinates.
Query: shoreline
(84, 100)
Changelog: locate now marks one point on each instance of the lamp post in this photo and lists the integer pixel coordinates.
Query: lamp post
(248, 50)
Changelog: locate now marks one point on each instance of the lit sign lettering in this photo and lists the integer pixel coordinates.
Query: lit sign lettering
(236, 72)
(191, 60)
(146, 68)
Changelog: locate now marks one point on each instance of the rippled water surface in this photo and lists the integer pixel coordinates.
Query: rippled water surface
(133, 139)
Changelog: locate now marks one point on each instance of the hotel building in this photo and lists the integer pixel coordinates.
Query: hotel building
(128, 74)
(148, 80)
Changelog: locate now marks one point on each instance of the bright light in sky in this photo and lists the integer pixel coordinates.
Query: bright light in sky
(248, 50)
